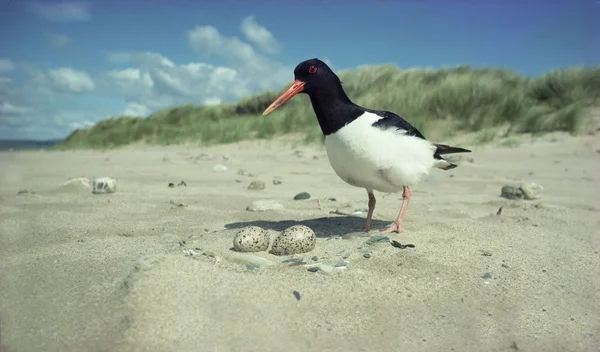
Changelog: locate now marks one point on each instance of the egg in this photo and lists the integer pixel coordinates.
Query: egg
(294, 240)
(251, 239)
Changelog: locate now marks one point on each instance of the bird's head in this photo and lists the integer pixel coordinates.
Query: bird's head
(310, 76)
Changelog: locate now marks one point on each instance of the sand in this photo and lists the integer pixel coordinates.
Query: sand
(133, 271)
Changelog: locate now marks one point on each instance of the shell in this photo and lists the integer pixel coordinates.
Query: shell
(251, 239)
(296, 239)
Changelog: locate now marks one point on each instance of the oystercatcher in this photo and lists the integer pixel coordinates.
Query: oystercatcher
(367, 148)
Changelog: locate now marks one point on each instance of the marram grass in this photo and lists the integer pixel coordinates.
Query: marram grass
(462, 99)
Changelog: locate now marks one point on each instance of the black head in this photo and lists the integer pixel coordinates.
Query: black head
(316, 75)
(311, 76)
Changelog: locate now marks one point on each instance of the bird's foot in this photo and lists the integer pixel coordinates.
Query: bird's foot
(395, 227)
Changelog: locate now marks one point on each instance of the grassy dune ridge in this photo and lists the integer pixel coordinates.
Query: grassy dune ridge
(460, 99)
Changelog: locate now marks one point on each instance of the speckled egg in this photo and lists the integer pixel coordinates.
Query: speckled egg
(294, 240)
(251, 239)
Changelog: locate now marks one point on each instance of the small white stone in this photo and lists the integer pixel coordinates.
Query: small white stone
(104, 185)
(264, 205)
(296, 239)
(219, 168)
(251, 239)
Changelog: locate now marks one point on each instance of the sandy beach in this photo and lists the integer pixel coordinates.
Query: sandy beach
(150, 267)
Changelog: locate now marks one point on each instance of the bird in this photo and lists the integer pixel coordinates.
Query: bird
(377, 150)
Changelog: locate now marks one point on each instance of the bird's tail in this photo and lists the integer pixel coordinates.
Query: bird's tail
(442, 149)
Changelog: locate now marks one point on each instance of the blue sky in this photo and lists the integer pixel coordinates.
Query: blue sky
(69, 64)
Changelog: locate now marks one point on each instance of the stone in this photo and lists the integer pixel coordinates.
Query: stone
(264, 205)
(219, 168)
(295, 239)
(251, 239)
(302, 196)
(529, 191)
(276, 182)
(103, 185)
(532, 190)
(511, 192)
(256, 185)
(377, 239)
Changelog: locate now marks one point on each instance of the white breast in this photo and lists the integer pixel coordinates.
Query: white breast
(375, 159)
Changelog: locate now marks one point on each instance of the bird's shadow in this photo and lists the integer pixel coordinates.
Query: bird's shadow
(332, 226)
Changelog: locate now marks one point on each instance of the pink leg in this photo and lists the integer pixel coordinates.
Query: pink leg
(397, 225)
(367, 227)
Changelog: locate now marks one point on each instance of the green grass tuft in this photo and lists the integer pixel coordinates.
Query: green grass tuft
(461, 99)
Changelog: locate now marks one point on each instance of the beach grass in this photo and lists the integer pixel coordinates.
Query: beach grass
(461, 99)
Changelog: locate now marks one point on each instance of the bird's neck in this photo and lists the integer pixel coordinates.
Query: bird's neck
(334, 109)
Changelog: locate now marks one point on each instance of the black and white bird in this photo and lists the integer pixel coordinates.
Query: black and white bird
(373, 149)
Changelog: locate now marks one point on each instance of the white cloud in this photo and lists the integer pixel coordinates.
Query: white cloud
(136, 109)
(141, 83)
(7, 109)
(61, 12)
(71, 81)
(212, 101)
(259, 35)
(6, 65)
(58, 41)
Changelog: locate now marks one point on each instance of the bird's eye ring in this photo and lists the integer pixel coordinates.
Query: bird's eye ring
(312, 69)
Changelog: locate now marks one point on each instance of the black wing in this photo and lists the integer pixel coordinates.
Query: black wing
(391, 120)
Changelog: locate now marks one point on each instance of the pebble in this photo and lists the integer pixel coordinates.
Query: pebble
(295, 239)
(25, 191)
(256, 185)
(313, 269)
(297, 295)
(314, 258)
(104, 185)
(276, 182)
(251, 239)
(302, 196)
(532, 190)
(529, 191)
(219, 168)
(264, 205)
(360, 211)
(377, 239)
(366, 255)
(486, 276)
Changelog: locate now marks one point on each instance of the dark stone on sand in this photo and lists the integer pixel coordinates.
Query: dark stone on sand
(367, 255)
(377, 239)
(313, 269)
(297, 295)
(256, 185)
(511, 192)
(276, 182)
(315, 258)
(529, 191)
(171, 185)
(486, 276)
(302, 196)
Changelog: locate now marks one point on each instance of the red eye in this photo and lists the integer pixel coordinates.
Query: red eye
(312, 69)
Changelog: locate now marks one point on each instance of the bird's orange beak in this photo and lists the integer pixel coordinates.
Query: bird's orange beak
(294, 89)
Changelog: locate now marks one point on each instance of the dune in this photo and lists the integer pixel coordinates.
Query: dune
(150, 267)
